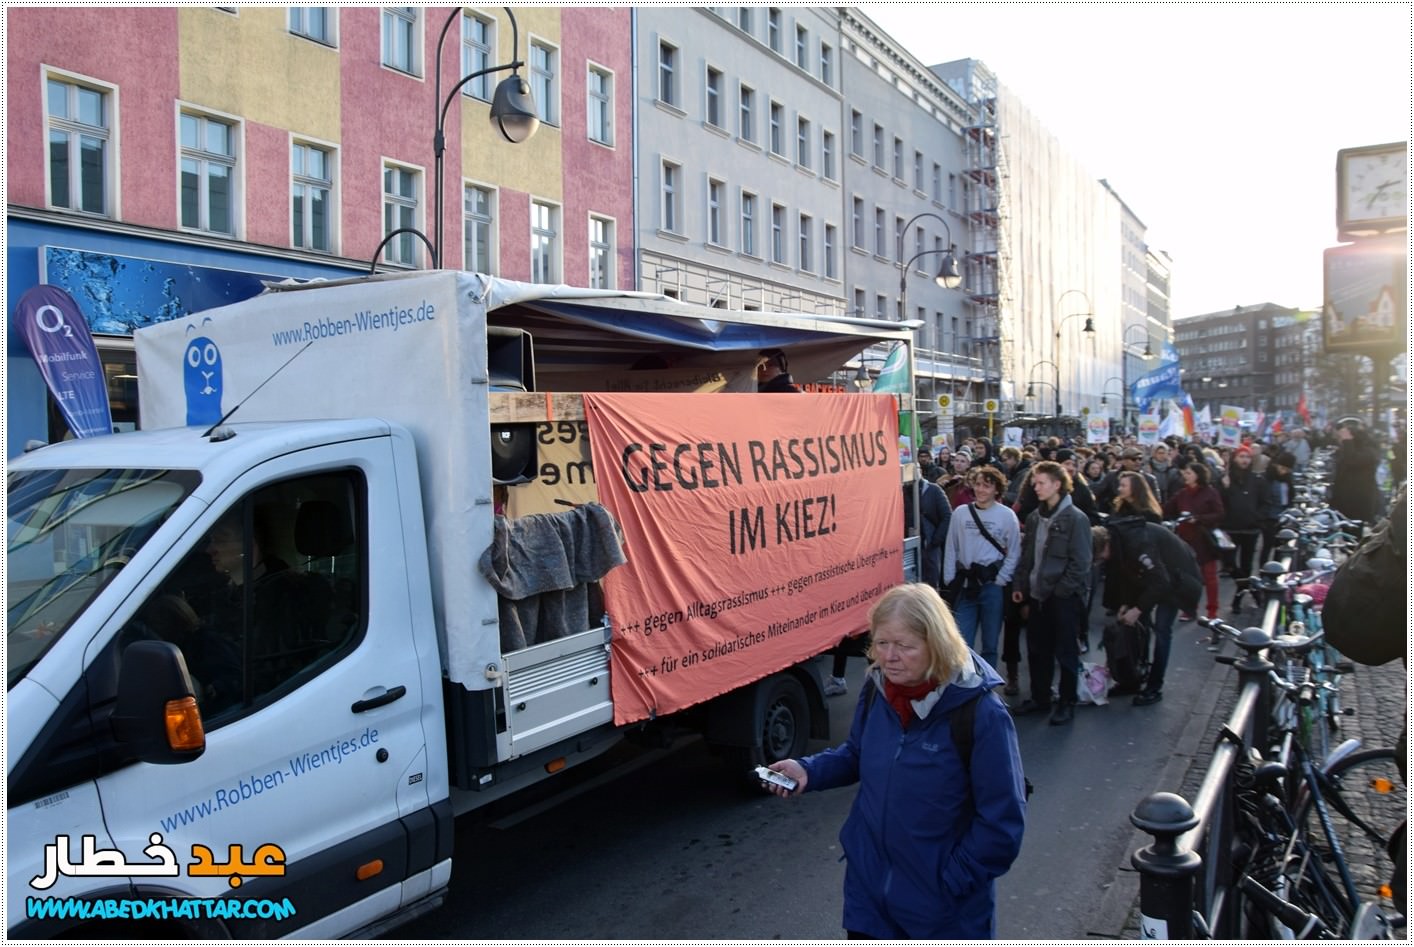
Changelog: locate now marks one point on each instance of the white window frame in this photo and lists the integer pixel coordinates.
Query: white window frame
(406, 250)
(856, 133)
(478, 54)
(545, 79)
(856, 222)
(77, 129)
(668, 57)
(296, 24)
(410, 20)
(805, 232)
(827, 63)
(802, 47)
(744, 20)
(307, 180)
(918, 171)
(773, 28)
(878, 146)
(549, 274)
(713, 110)
(778, 233)
(829, 247)
(603, 101)
(749, 204)
(775, 128)
(603, 252)
(670, 196)
(716, 205)
(880, 232)
(205, 159)
(937, 182)
(746, 113)
(486, 221)
(898, 158)
(802, 142)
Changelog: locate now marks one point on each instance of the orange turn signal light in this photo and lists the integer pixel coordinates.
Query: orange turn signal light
(369, 869)
(184, 729)
(555, 765)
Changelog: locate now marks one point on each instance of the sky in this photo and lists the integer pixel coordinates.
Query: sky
(1217, 124)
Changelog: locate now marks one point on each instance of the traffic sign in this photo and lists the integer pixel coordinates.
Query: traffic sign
(945, 403)
(991, 406)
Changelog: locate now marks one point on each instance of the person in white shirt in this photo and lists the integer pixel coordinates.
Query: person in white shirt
(979, 557)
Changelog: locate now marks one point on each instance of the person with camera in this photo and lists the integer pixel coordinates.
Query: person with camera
(979, 557)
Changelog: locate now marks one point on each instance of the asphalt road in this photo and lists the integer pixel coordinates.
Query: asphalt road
(674, 850)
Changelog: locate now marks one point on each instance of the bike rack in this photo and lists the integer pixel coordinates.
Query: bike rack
(1187, 883)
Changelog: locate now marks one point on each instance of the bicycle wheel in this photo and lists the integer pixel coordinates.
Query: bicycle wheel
(1367, 802)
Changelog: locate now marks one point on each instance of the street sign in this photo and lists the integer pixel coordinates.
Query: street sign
(991, 406)
(945, 403)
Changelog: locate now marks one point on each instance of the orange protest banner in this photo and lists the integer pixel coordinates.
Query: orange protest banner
(759, 531)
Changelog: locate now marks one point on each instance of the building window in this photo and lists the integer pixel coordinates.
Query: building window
(773, 29)
(672, 184)
(831, 270)
(802, 47)
(856, 133)
(858, 303)
(880, 306)
(208, 174)
(312, 23)
(545, 82)
(878, 146)
(743, 19)
(479, 229)
(667, 73)
(827, 64)
(898, 158)
(778, 134)
(802, 142)
(856, 222)
(312, 183)
(544, 242)
(807, 251)
(827, 155)
(400, 45)
(714, 97)
(918, 171)
(79, 123)
(400, 191)
(748, 223)
(880, 247)
(599, 95)
(937, 182)
(601, 253)
(747, 101)
(716, 190)
(778, 233)
(478, 43)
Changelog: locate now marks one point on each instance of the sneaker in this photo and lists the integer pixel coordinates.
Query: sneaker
(1063, 714)
(836, 686)
(1145, 698)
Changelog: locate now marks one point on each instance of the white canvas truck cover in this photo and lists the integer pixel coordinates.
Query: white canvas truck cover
(411, 348)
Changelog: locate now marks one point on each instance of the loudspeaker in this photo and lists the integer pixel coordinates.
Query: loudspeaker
(514, 458)
(510, 362)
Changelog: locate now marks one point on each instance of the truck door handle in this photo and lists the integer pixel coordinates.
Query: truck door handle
(387, 697)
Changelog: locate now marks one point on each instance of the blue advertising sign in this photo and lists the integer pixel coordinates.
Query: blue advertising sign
(57, 336)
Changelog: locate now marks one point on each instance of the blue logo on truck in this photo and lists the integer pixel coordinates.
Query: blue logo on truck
(201, 376)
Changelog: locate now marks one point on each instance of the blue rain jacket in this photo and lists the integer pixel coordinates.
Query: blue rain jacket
(926, 837)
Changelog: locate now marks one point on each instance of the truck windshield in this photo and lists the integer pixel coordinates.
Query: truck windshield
(69, 533)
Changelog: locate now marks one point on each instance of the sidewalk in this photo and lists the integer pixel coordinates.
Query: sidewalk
(1376, 695)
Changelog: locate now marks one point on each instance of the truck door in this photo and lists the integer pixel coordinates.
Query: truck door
(311, 686)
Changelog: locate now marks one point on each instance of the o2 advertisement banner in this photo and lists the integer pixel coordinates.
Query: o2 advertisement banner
(755, 537)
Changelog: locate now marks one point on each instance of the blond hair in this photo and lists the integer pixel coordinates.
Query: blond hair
(919, 608)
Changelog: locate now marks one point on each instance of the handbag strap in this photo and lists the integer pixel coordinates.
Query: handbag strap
(982, 528)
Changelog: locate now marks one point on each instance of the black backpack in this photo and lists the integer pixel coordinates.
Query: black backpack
(962, 722)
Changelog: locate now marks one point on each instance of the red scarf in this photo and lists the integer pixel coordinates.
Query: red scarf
(900, 698)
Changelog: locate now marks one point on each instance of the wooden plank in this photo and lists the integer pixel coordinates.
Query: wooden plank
(520, 407)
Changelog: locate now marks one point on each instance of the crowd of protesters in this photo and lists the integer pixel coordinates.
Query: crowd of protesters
(1008, 537)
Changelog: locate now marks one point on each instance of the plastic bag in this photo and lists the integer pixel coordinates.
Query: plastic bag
(1092, 685)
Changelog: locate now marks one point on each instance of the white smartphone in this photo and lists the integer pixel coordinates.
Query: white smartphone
(775, 778)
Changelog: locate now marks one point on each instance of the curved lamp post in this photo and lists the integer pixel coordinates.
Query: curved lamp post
(949, 272)
(1060, 322)
(512, 115)
(1031, 383)
(1148, 348)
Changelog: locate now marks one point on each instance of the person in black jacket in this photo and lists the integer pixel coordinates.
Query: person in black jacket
(1276, 496)
(1353, 490)
(773, 372)
(1150, 574)
(1241, 491)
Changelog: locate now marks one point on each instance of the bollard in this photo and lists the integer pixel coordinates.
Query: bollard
(1166, 874)
(1253, 668)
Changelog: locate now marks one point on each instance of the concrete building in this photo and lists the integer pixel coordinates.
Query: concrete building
(1230, 357)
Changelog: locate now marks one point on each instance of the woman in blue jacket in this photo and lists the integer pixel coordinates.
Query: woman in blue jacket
(929, 832)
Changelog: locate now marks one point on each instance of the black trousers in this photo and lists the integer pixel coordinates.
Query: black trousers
(1053, 638)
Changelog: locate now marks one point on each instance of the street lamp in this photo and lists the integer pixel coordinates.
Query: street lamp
(1059, 323)
(949, 273)
(1031, 384)
(512, 115)
(1148, 350)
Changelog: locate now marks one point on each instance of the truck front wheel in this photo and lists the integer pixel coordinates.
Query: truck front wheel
(785, 723)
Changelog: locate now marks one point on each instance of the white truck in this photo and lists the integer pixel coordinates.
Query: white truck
(356, 575)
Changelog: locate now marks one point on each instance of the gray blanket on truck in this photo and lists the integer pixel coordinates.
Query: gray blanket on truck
(541, 566)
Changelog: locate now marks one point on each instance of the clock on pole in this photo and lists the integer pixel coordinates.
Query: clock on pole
(1372, 189)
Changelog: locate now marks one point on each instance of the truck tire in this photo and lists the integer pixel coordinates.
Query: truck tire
(785, 723)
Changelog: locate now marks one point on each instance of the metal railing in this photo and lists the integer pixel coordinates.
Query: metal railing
(1187, 879)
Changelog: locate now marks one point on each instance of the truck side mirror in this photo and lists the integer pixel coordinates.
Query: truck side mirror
(156, 718)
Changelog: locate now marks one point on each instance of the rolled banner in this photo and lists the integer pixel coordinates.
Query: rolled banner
(57, 335)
